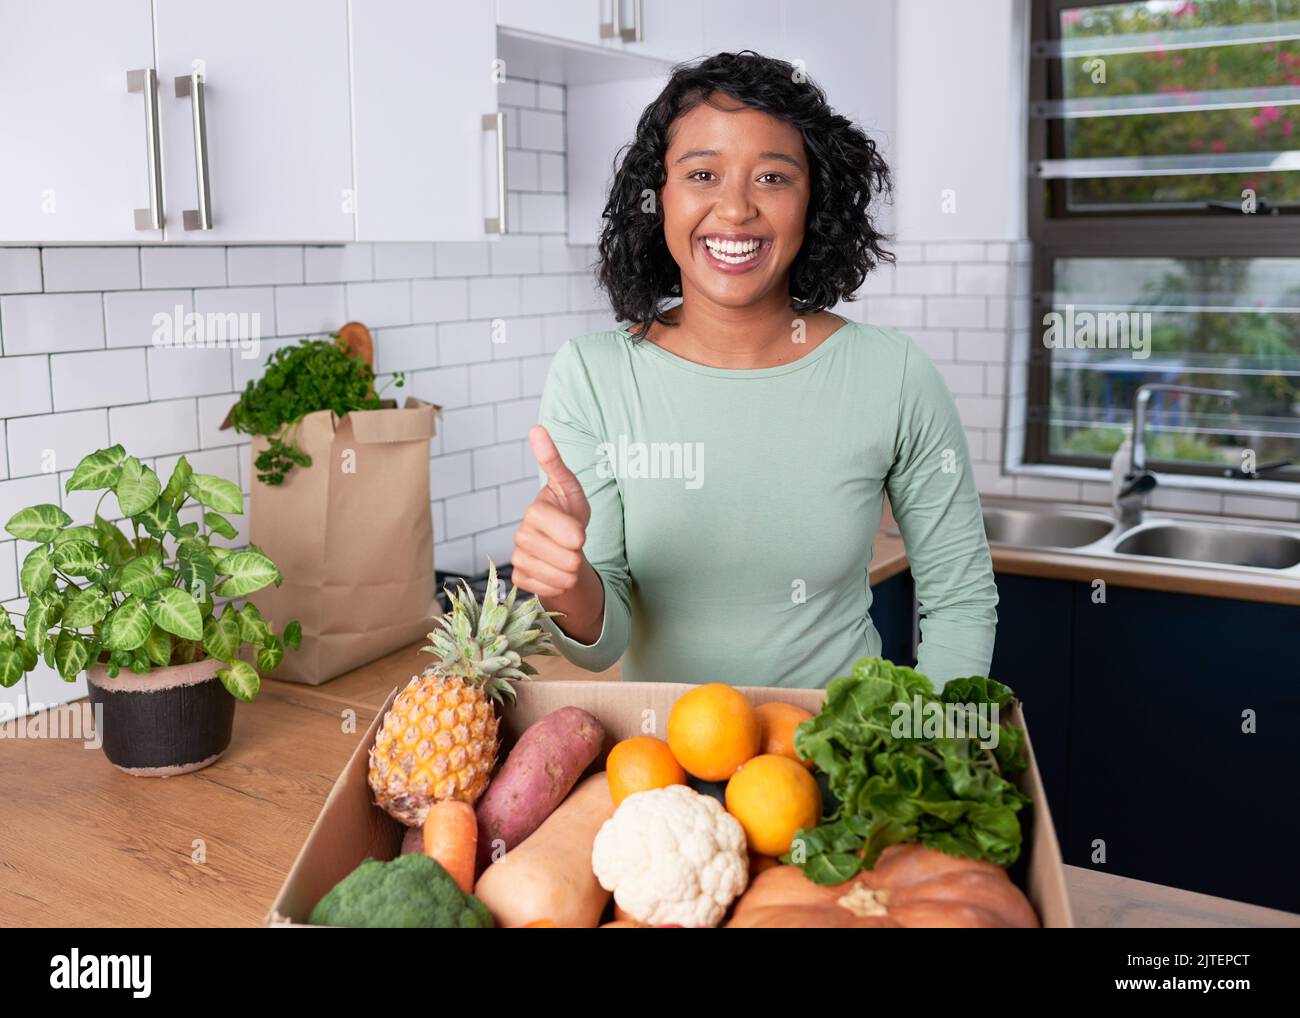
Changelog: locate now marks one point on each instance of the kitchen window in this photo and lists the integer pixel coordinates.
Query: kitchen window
(1164, 207)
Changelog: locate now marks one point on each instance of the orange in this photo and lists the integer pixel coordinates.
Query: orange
(773, 797)
(641, 763)
(712, 730)
(779, 720)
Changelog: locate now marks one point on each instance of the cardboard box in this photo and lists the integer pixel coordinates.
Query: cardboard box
(351, 827)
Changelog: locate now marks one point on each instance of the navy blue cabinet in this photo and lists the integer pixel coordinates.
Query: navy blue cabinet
(1032, 655)
(892, 613)
(1140, 707)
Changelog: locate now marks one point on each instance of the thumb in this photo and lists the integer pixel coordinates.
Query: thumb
(548, 458)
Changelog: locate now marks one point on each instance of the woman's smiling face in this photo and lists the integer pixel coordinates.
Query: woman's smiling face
(735, 201)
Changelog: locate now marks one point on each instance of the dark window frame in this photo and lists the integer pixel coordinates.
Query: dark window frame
(1056, 232)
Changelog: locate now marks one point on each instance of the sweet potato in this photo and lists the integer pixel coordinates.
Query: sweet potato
(540, 771)
(549, 875)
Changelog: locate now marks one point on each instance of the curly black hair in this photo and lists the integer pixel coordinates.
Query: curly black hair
(841, 244)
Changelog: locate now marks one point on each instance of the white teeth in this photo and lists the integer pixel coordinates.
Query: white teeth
(733, 252)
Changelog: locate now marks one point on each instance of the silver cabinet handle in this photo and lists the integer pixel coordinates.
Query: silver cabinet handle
(497, 122)
(613, 29)
(637, 32)
(145, 80)
(191, 86)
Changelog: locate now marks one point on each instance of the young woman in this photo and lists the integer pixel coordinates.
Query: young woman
(715, 473)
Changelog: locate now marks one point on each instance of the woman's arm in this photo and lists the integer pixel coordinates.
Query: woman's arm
(594, 633)
(931, 489)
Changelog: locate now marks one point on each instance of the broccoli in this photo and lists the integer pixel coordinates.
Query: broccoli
(411, 891)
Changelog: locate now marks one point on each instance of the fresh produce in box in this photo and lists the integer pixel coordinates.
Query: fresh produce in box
(544, 765)
(672, 856)
(950, 794)
(774, 798)
(439, 739)
(640, 764)
(408, 892)
(450, 836)
(549, 875)
(712, 730)
(778, 722)
(910, 885)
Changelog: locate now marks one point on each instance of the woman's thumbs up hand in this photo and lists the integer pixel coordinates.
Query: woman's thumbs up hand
(548, 559)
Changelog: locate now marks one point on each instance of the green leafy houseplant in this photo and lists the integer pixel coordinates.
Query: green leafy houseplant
(98, 597)
(314, 375)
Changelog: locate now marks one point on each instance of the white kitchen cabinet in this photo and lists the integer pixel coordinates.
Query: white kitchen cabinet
(570, 20)
(75, 164)
(608, 113)
(426, 168)
(669, 29)
(277, 122)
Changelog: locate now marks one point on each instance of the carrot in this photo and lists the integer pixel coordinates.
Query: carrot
(451, 838)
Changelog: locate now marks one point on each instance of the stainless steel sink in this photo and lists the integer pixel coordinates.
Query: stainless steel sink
(1044, 528)
(1226, 545)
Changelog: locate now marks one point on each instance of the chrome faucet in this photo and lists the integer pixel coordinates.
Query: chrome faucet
(1139, 480)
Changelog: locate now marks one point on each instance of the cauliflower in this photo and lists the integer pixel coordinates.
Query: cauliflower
(672, 856)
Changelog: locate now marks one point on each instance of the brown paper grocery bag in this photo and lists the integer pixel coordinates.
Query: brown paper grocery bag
(352, 534)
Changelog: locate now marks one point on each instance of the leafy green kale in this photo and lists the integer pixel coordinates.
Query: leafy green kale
(409, 892)
(948, 793)
(316, 374)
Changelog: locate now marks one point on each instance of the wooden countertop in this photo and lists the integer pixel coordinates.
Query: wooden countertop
(82, 844)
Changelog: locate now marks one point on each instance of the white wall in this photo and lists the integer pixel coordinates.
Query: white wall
(960, 119)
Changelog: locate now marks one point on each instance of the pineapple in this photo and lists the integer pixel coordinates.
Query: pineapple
(439, 739)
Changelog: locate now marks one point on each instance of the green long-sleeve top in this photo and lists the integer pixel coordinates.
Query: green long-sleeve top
(733, 510)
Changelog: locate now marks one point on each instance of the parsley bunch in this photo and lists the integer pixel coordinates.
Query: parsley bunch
(316, 374)
(950, 794)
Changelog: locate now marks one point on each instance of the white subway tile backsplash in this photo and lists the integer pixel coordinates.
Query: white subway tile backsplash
(188, 371)
(521, 167)
(98, 378)
(451, 475)
(499, 464)
(922, 280)
(896, 312)
(550, 97)
(518, 337)
(515, 255)
(20, 270)
(212, 413)
(8, 571)
(403, 261)
(91, 268)
(533, 371)
(169, 267)
(954, 312)
(379, 304)
(1287, 509)
(263, 265)
(51, 322)
(963, 379)
(132, 317)
(543, 294)
(52, 442)
(447, 387)
(343, 263)
(491, 383)
(20, 492)
(515, 418)
(516, 498)
(979, 411)
(960, 252)
(439, 300)
(240, 313)
(542, 213)
(406, 348)
(983, 280)
(495, 545)
(494, 297)
(462, 258)
(550, 171)
(464, 342)
(542, 130)
(517, 92)
(455, 556)
(468, 428)
(309, 310)
(156, 429)
(557, 329)
(25, 386)
(467, 514)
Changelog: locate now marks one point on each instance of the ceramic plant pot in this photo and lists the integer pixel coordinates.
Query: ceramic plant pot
(169, 721)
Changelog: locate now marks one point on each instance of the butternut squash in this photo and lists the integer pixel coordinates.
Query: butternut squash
(548, 874)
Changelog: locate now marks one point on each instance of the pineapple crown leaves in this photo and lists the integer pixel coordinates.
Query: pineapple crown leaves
(486, 644)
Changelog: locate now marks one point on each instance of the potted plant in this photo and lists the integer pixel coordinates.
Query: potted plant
(138, 613)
